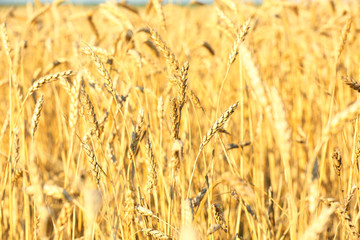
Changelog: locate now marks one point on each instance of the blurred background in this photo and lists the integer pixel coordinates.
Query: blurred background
(94, 2)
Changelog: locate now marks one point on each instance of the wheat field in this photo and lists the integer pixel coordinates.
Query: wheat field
(222, 121)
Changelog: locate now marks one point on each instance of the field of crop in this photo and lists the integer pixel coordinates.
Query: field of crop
(226, 121)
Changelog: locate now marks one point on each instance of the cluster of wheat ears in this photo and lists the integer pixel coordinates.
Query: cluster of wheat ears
(226, 121)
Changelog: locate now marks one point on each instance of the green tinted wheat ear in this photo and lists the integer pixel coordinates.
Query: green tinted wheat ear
(36, 115)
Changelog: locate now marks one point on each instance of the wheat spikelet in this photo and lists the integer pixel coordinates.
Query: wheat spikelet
(197, 199)
(36, 115)
(160, 110)
(130, 204)
(352, 83)
(62, 219)
(182, 86)
(47, 79)
(155, 233)
(257, 85)
(174, 117)
(152, 46)
(166, 51)
(340, 118)
(219, 216)
(87, 110)
(17, 173)
(152, 167)
(212, 229)
(240, 37)
(187, 212)
(337, 163)
(160, 12)
(349, 197)
(319, 225)
(194, 99)
(136, 56)
(144, 211)
(343, 216)
(230, 26)
(66, 85)
(242, 187)
(94, 165)
(136, 135)
(218, 125)
(101, 69)
(5, 39)
(110, 152)
(344, 36)
(231, 5)
(16, 147)
(283, 132)
(50, 190)
(177, 154)
(74, 103)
